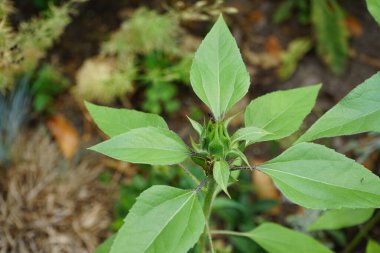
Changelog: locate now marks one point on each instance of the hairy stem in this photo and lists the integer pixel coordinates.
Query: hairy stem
(243, 167)
(195, 180)
(201, 184)
(209, 237)
(207, 211)
(362, 233)
(227, 232)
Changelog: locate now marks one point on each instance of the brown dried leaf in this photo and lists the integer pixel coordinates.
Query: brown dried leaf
(273, 46)
(354, 26)
(65, 134)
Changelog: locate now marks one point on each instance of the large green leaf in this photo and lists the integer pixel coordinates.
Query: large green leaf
(163, 219)
(332, 36)
(358, 112)
(341, 218)
(372, 247)
(221, 173)
(218, 74)
(280, 113)
(374, 9)
(277, 239)
(317, 177)
(114, 121)
(147, 145)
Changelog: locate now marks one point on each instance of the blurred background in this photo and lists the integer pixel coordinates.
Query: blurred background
(56, 196)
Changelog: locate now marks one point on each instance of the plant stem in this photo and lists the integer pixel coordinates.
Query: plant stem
(201, 184)
(362, 233)
(227, 232)
(207, 211)
(243, 167)
(196, 181)
(209, 237)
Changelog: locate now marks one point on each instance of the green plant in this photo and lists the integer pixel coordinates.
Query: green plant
(160, 79)
(144, 53)
(48, 84)
(327, 19)
(21, 49)
(43, 4)
(168, 219)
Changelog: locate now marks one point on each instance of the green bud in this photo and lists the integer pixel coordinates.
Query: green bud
(215, 139)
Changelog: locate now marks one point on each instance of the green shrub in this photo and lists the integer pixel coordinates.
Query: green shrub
(168, 219)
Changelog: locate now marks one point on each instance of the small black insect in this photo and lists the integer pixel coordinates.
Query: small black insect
(211, 117)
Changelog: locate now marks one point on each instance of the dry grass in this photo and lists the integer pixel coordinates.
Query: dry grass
(45, 208)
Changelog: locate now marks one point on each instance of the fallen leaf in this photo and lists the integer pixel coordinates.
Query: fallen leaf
(262, 60)
(64, 134)
(273, 46)
(354, 26)
(256, 16)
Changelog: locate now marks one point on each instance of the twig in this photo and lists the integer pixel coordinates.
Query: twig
(196, 181)
(243, 167)
(199, 155)
(200, 186)
(209, 237)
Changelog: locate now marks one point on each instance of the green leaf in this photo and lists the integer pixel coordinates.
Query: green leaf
(317, 177)
(284, 11)
(105, 247)
(331, 31)
(197, 127)
(374, 9)
(290, 58)
(147, 145)
(358, 112)
(280, 113)
(341, 218)
(117, 121)
(218, 74)
(250, 134)
(372, 247)
(163, 219)
(221, 172)
(277, 239)
(239, 154)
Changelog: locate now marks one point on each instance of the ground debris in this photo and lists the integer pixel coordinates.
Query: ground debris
(45, 209)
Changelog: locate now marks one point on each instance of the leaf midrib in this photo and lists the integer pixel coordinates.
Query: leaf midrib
(169, 220)
(150, 148)
(310, 179)
(320, 199)
(318, 134)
